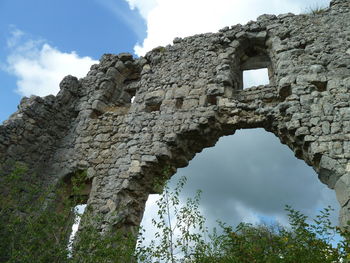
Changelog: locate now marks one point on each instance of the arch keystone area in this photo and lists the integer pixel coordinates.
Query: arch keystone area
(186, 96)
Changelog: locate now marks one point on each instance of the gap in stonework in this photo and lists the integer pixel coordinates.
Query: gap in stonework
(255, 77)
(78, 212)
(248, 177)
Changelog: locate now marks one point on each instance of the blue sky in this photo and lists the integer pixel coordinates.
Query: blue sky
(90, 28)
(41, 41)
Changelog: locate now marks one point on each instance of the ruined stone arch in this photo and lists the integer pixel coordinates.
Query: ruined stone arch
(188, 95)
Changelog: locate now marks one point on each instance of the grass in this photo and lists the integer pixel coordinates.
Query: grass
(315, 9)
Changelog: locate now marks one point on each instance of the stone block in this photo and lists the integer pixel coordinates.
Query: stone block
(99, 106)
(341, 188)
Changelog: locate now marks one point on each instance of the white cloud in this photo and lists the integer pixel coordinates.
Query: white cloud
(151, 210)
(247, 214)
(167, 19)
(16, 35)
(40, 67)
(144, 7)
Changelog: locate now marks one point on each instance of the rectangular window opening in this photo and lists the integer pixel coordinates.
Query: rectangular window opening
(178, 103)
(255, 77)
(212, 100)
(153, 107)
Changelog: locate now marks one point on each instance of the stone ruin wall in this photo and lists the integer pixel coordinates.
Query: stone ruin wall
(187, 96)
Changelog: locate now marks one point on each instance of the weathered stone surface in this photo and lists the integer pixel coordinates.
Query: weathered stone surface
(187, 96)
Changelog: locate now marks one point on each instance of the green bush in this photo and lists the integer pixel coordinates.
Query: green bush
(301, 242)
(29, 234)
(304, 240)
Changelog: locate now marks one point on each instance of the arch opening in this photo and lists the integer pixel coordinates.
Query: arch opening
(250, 176)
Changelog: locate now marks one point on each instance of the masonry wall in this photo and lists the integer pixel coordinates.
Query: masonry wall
(186, 96)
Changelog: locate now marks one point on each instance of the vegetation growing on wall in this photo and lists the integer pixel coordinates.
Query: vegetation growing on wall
(315, 10)
(26, 231)
(30, 234)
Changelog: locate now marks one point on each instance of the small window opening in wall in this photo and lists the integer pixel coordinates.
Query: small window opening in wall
(255, 65)
(255, 77)
(78, 212)
(153, 107)
(130, 96)
(211, 100)
(178, 103)
(95, 114)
